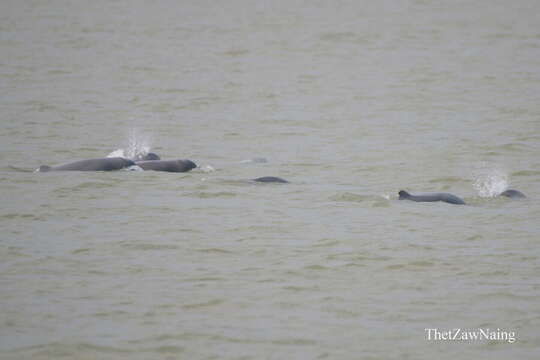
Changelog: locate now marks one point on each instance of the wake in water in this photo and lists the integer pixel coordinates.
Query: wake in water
(491, 182)
(138, 145)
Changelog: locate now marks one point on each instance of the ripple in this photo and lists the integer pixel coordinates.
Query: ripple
(294, 341)
(16, 216)
(316, 267)
(149, 246)
(357, 257)
(413, 265)
(352, 197)
(204, 304)
(58, 350)
(79, 251)
(210, 195)
(214, 251)
(326, 243)
(167, 349)
(298, 288)
(236, 52)
(85, 186)
(526, 173)
(448, 179)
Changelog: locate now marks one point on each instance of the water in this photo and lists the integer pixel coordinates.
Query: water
(351, 101)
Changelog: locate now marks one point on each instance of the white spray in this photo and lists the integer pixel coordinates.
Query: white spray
(490, 182)
(138, 144)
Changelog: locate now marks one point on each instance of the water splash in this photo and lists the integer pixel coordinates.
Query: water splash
(491, 182)
(138, 144)
(207, 168)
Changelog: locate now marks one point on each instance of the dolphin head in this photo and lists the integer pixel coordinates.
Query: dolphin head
(403, 194)
(189, 164)
(44, 168)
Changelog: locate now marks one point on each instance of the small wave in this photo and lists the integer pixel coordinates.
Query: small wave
(204, 304)
(491, 182)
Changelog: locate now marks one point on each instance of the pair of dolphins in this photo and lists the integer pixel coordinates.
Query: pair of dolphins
(451, 198)
(150, 161)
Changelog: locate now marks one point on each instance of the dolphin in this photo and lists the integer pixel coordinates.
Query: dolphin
(449, 198)
(101, 164)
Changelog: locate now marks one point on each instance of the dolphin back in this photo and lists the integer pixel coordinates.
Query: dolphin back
(101, 164)
(513, 194)
(432, 197)
(271, 179)
(167, 165)
(451, 199)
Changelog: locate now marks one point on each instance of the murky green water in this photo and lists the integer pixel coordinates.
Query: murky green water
(351, 101)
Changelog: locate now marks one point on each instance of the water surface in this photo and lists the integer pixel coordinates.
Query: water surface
(351, 101)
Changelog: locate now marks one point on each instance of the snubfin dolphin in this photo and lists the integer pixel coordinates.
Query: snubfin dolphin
(449, 198)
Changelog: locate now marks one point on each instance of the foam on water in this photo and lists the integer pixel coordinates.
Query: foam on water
(134, 168)
(207, 168)
(491, 182)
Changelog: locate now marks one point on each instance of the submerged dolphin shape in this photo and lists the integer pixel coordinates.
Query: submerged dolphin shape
(147, 156)
(270, 179)
(513, 194)
(446, 197)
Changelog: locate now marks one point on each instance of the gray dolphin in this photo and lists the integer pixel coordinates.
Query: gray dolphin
(101, 164)
(513, 194)
(167, 165)
(271, 179)
(449, 198)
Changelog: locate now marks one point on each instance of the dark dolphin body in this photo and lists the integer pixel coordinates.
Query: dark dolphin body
(146, 157)
(167, 165)
(271, 179)
(513, 194)
(102, 164)
(449, 198)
